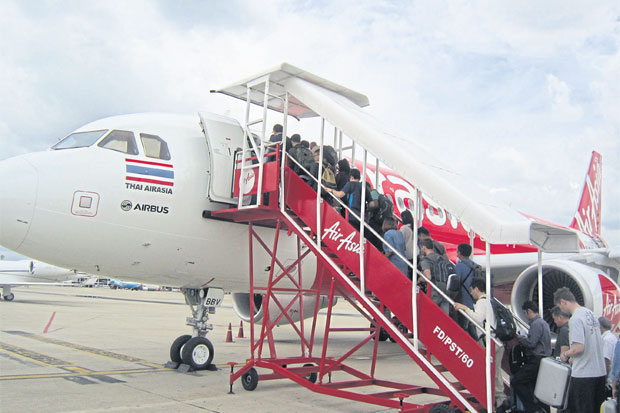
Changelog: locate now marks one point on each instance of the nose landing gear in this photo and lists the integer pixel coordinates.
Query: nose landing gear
(195, 351)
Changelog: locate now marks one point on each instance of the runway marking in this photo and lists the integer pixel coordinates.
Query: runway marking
(73, 373)
(76, 373)
(99, 375)
(41, 359)
(86, 349)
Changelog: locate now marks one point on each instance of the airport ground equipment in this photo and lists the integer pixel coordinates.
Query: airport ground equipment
(386, 286)
(269, 193)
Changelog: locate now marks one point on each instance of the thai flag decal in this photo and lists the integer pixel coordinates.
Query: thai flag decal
(149, 172)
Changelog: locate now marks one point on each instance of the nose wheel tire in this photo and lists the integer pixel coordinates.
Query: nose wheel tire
(383, 335)
(312, 376)
(9, 297)
(249, 380)
(177, 346)
(197, 353)
(401, 327)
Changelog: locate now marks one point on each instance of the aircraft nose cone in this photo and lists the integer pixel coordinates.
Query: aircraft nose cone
(18, 192)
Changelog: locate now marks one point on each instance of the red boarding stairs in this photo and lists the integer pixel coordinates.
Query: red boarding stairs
(338, 257)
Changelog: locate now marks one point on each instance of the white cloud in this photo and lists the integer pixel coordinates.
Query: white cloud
(562, 109)
(516, 95)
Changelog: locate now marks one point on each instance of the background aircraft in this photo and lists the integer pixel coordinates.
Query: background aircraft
(128, 285)
(28, 272)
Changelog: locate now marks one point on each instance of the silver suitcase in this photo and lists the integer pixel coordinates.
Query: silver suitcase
(552, 382)
(609, 406)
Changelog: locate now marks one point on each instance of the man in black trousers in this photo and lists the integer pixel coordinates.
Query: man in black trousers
(538, 345)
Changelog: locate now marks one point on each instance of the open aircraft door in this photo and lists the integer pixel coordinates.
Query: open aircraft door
(224, 138)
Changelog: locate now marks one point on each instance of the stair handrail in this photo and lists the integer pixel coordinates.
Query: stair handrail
(420, 274)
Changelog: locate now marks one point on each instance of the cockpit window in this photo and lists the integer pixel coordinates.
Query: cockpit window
(121, 141)
(155, 147)
(79, 140)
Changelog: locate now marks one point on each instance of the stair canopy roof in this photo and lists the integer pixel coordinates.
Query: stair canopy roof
(469, 202)
(277, 91)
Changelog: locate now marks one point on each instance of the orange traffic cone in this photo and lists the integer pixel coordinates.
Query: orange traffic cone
(229, 338)
(240, 333)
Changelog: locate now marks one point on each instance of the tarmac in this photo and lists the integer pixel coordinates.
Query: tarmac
(72, 349)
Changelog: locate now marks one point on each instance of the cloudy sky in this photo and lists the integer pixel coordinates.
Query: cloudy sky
(516, 94)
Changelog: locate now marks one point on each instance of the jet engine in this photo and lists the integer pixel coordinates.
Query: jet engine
(241, 305)
(591, 287)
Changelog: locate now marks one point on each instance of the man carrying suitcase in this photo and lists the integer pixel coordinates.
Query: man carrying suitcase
(587, 384)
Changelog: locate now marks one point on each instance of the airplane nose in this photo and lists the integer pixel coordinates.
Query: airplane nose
(18, 192)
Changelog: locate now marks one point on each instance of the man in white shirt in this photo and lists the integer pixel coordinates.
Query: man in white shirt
(588, 374)
(483, 311)
(609, 341)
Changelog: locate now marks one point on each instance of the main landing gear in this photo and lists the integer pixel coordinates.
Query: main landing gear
(7, 294)
(195, 351)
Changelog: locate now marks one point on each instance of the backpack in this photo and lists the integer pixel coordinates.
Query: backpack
(380, 206)
(372, 201)
(442, 268)
(517, 358)
(455, 291)
(386, 207)
(505, 328)
(328, 176)
(304, 157)
(476, 271)
(330, 155)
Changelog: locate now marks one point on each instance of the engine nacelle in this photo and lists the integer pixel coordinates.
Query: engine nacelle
(592, 289)
(241, 305)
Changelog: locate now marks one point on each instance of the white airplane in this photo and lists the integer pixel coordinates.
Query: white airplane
(28, 272)
(140, 214)
(136, 196)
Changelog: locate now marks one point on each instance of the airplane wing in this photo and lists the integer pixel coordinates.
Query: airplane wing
(28, 272)
(466, 200)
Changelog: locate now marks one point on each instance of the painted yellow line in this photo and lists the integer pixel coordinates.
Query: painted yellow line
(81, 373)
(86, 349)
(78, 370)
(38, 358)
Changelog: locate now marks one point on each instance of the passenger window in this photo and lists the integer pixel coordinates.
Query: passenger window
(155, 147)
(121, 141)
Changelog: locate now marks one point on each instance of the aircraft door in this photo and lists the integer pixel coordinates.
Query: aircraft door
(224, 138)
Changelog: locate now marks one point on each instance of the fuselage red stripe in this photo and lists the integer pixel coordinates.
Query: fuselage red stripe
(149, 181)
(149, 163)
